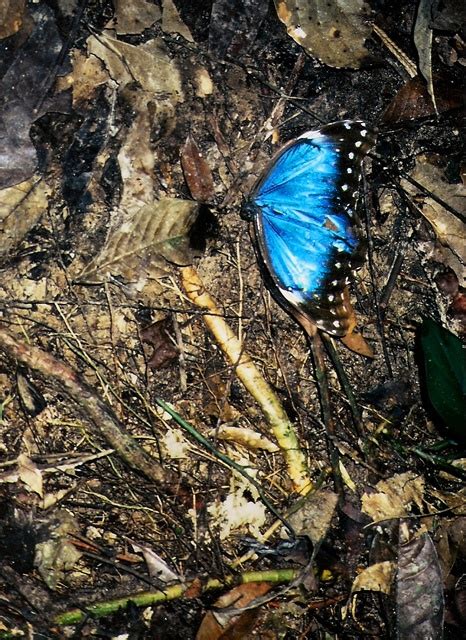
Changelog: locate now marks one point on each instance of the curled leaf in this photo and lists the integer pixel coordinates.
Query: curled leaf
(196, 171)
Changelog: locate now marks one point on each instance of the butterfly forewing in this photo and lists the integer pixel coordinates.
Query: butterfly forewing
(305, 218)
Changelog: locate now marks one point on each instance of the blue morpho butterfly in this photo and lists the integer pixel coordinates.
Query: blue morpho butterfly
(308, 236)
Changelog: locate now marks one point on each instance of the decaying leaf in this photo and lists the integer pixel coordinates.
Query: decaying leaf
(21, 207)
(157, 336)
(57, 554)
(29, 474)
(234, 25)
(419, 590)
(316, 514)
(148, 64)
(88, 75)
(158, 569)
(423, 42)
(24, 88)
(135, 16)
(413, 101)
(450, 230)
(196, 171)
(225, 622)
(334, 32)
(394, 497)
(143, 244)
(11, 17)
(376, 577)
(172, 23)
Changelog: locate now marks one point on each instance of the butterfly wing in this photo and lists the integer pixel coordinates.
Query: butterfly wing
(305, 220)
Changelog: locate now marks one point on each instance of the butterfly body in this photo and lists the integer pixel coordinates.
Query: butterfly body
(307, 232)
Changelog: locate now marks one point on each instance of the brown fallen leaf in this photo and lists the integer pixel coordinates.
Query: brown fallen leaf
(334, 32)
(196, 171)
(413, 100)
(144, 243)
(230, 625)
(157, 336)
(353, 340)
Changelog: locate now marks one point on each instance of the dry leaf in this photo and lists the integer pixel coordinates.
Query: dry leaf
(88, 75)
(394, 497)
(148, 64)
(11, 17)
(229, 624)
(172, 23)
(450, 230)
(29, 474)
(143, 244)
(157, 568)
(21, 207)
(196, 171)
(157, 336)
(377, 577)
(315, 516)
(334, 32)
(135, 16)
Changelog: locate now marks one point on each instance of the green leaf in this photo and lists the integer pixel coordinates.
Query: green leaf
(445, 367)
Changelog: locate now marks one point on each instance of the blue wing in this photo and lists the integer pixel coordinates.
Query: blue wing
(304, 215)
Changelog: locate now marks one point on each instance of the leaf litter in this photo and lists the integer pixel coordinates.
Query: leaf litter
(162, 127)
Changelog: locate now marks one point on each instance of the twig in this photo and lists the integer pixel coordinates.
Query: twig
(99, 414)
(191, 589)
(252, 379)
(317, 351)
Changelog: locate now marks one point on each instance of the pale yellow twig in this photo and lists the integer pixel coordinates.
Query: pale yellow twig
(252, 379)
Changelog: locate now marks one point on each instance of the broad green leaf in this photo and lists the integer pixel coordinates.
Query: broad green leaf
(445, 368)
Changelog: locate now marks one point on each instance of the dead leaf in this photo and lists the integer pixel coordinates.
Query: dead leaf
(315, 516)
(88, 75)
(450, 230)
(354, 340)
(419, 590)
(148, 64)
(157, 336)
(394, 497)
(377, 577)
(423, 41)
(158, 569)
(135, 16)
(357, 343)
(172, 23)
(21, 208)
(228, 625)
(11, 17)
(143, 244)
(24, 89)
(196, 171)
(412, 101)
(29, 474)
(334, 32)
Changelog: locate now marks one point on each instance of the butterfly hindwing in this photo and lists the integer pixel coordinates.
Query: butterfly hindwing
(305, 219)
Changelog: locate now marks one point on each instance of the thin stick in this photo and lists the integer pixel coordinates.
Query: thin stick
(317, 352)
(252, 379)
